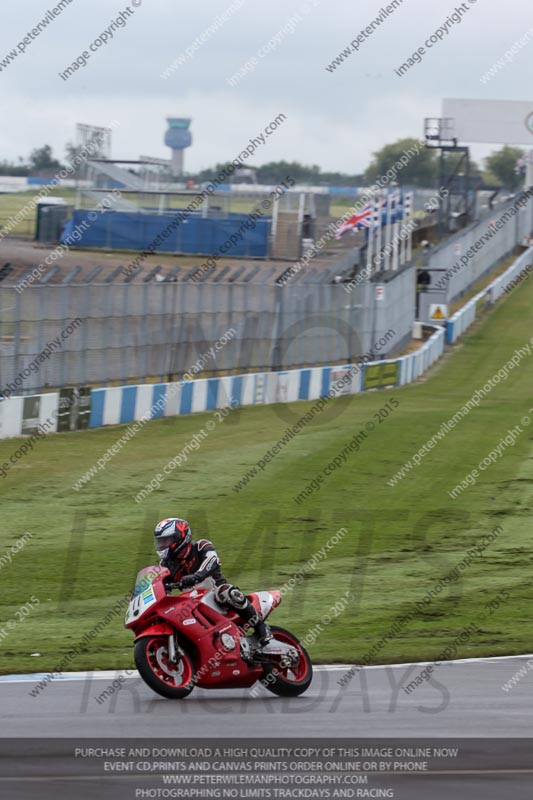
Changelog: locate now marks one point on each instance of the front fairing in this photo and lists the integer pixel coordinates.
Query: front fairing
(148, 590)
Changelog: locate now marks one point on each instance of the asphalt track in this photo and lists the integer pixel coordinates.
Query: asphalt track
(462, 699)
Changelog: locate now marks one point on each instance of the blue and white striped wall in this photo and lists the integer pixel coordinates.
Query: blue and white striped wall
(415, 364)
(125, 404)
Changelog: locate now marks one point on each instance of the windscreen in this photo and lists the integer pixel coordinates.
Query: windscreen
(144, 579)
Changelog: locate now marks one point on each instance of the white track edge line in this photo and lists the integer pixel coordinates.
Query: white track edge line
(101, 675)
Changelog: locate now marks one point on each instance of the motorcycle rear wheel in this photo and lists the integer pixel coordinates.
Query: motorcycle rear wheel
(286, 681)
(171, 681)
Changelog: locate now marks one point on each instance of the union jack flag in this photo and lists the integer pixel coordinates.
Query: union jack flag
(363, 219)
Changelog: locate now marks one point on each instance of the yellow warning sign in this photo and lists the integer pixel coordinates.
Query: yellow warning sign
(438, 312)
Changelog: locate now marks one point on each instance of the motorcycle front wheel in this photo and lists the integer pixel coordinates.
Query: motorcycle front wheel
(288, 679)
(174, 681)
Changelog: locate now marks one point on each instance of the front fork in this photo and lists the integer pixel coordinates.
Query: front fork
(174, 650)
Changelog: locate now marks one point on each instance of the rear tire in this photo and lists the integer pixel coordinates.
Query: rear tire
(151, 659)
(288, 681)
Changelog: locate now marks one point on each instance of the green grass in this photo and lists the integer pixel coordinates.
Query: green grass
(87, 545)
(13, 203)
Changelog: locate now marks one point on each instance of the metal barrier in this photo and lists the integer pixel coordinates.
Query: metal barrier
(465, 316)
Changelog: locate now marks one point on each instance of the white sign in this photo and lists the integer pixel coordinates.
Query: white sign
(342, 375)
(380, 292)
(282, 388)
(490, 121)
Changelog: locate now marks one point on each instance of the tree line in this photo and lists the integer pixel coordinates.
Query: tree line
(499, 168)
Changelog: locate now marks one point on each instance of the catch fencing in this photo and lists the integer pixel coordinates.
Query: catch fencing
(136, 333)
(467, 314)
(457, 263)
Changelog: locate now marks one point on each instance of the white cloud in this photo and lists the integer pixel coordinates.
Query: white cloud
(334, 119)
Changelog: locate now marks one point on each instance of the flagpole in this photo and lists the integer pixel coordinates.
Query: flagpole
(410, 232)
(402, 240)
(369, 248)
(378, 220)
(395, 232)
(388, 230)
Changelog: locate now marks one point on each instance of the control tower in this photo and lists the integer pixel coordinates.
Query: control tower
(178, 137)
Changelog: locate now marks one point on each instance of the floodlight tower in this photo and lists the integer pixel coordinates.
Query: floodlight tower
(178, 138)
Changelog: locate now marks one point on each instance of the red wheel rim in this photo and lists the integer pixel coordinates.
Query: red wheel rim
(295, 673)
(179, 675)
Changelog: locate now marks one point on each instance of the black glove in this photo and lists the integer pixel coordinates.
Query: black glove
(187, 581)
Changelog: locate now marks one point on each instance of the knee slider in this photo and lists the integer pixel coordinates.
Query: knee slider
(221, 593)
(230, 595)
(236, 597)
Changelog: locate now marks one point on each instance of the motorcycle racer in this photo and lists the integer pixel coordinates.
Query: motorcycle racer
(196, 563)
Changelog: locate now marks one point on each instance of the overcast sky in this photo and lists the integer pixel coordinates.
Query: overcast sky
(334, 119)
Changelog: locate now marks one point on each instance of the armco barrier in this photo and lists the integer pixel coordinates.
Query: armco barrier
(126, 404)
(467, 314)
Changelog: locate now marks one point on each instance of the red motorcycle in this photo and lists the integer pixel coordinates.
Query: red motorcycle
(188, 640)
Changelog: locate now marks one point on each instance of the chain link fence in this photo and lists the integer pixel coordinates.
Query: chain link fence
(463, 259)
(139, 333)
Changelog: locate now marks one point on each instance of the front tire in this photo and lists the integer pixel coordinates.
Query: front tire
(174, 681)
(284, 680)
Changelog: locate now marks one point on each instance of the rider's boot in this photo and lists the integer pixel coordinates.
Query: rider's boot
(255, 620)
